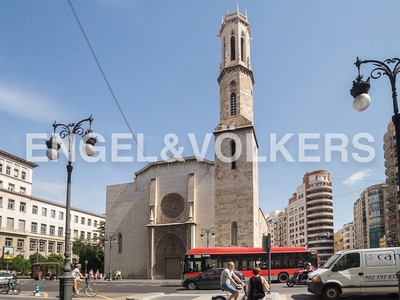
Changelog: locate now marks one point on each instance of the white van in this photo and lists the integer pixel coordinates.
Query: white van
(357, 271)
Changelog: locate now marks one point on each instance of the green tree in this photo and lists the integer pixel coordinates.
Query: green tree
(54, 268)
(89, 250)
(21, 265)
(102, 232)
(37, 257)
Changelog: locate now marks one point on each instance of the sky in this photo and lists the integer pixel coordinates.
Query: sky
(149, 78)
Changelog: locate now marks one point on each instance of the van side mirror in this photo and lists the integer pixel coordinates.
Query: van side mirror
(335, 268)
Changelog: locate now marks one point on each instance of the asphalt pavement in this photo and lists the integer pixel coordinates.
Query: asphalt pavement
(189, 295)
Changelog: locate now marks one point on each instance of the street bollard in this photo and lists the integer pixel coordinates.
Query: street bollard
(398, 279)
(37, 292)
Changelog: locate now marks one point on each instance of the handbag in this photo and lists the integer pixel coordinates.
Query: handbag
(265, 286)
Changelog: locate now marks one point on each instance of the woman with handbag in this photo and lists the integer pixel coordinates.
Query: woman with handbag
(257, 286)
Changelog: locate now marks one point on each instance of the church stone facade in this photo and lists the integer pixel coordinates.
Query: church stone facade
(160, 215)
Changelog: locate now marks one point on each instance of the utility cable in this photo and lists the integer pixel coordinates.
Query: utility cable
(104, 76)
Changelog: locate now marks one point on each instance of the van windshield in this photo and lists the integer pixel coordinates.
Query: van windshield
(329, 263)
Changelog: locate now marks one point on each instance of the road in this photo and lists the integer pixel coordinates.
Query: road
(171, 288)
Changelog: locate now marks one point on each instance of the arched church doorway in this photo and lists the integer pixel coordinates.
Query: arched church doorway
(170, 251)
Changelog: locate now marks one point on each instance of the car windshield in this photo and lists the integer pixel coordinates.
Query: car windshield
(331, 261)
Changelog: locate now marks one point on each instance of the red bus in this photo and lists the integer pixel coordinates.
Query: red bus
(284, 260)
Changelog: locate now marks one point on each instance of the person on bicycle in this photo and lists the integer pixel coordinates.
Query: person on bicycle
(230, 282)
(76, 273)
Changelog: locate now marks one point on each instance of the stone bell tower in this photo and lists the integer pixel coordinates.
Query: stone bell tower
(236, 168)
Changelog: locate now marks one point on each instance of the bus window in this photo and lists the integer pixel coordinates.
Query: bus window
(247, 262)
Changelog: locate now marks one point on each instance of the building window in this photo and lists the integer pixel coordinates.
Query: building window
(89, 222)
(89, 235)
(22, 190)
(233, 157)
(242, 49)
(1, 201)
(233, 53)
(59, 246)
(51, 247)
(9, 242)
(52, 230)
(1, 168)
(21, 225)
(33, 227)
(11, 187)
(41, 245)
(82, 234)
(60, 231)
(34, 210)
(11, 204)
(10, 223)
(8, 170)
(32, 245)
(44, 211)
(1, 183)
(22, 206)
(83, 221)
(95, 236)
(95, 223)
(234, 233)
(43, 228)
(119, 243)
(75, 219)
(61, 215)
(23, 175)
(233, 104)
(75, 234)
(20, 244)
(52, 214)
(15, 172)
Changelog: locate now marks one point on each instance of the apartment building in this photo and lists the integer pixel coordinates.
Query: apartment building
(33, 225)
(370, 217)
(308, 218)
(344, 237)
(392, 188)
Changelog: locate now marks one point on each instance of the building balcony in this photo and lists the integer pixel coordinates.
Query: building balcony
(388, 163)
(319, 212)
(321, 193)
(391, 206)
(318, 221)
(388, 143)
(318, 230)
(319, 202)
(389, 171)
(319, 187)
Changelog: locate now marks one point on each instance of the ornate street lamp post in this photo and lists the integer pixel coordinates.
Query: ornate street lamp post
(207, 231)
(109, 240)
(360, 89)
(39, 244)
(70, 130)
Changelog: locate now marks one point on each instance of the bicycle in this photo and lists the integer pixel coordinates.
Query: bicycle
(90, 288)
(11, 284)
(244, 297)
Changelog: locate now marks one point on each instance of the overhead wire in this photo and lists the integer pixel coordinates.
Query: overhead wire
(104, 76)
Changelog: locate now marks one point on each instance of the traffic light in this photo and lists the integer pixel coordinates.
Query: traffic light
(266, 242)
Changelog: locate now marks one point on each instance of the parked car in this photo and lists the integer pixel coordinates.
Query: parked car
(210, 279)
(5, 276)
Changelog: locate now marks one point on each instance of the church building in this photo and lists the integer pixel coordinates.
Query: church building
(172, 204)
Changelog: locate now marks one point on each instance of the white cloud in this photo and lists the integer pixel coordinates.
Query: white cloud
(29, 106)
(359, 176)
